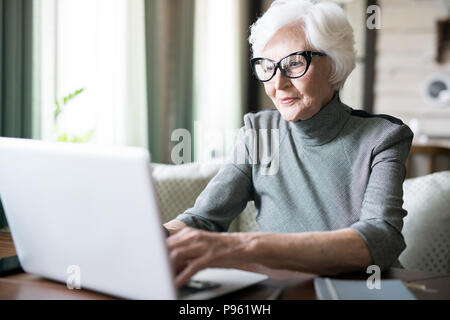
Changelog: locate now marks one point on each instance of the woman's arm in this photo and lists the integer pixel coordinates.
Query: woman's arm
(225, 196)
(328, 252)
(381, 221)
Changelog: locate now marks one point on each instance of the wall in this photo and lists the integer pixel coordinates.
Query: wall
(406, 50)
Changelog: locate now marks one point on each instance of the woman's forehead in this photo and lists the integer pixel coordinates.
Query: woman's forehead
(285, 41)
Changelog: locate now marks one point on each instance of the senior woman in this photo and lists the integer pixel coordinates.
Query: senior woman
(334, 202)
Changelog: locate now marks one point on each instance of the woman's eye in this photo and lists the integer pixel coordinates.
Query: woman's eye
(268, 68)
(295, 64)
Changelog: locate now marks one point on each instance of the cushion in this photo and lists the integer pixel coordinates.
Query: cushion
(178, 186)
(427, 225)
(246, 222)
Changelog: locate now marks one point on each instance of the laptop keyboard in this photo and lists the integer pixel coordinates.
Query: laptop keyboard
(195, 286)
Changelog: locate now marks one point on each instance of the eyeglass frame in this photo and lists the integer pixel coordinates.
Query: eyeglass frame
(307, 54)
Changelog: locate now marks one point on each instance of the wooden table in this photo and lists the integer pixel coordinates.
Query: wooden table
(432, 148)
(294, 285)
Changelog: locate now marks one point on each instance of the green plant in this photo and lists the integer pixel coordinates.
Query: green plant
(60, 107)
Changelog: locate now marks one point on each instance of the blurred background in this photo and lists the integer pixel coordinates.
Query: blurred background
(130, 72)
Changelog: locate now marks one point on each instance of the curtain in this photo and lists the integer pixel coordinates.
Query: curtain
(255, 10)
(15, 71)
(169, 28)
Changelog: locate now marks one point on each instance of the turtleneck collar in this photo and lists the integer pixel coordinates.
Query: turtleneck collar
(324, 126)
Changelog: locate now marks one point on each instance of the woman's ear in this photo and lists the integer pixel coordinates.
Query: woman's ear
(337, 86)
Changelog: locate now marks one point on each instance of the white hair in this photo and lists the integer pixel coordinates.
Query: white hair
(326, 29)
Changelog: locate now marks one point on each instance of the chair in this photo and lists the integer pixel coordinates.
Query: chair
(427, 225)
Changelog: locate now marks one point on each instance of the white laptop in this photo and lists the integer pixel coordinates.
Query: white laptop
(88, 215)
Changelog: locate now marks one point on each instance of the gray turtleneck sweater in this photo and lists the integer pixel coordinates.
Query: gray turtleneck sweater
(342, 168)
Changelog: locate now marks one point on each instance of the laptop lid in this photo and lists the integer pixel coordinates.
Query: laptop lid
(86, 213)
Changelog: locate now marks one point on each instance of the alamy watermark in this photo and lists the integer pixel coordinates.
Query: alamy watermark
(374, 19)
(374, 280)
(74, 277)
(238, 146)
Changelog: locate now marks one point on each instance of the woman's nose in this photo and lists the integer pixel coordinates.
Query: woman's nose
(280, 81)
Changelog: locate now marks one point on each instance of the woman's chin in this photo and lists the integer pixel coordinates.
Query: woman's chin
(290, 116)
(290, 113)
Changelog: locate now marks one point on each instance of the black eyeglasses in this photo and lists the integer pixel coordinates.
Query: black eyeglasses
(292, 66)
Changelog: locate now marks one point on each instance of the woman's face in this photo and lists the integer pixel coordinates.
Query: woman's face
(301, 98)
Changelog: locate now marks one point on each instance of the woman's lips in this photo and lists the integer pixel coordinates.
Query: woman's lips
(287, 101)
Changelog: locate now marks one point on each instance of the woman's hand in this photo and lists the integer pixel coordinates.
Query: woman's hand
(328, 252)
(192, 250)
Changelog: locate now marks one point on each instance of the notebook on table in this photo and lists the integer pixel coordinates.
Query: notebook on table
(335, 289)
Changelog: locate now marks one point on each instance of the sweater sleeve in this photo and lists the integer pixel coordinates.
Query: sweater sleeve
(226, 195)
(381, 220)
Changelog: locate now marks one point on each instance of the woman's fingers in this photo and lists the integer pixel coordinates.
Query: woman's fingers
(184, 237)
(191, 269)
(192, 250)
(187, 248)
(180, 256)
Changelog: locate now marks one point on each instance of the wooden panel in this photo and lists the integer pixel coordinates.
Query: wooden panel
(404, 17)
(406, 52)
(422, 60)
(406, 42)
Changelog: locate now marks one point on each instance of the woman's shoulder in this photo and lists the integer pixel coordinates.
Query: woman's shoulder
(380, 129)
(365, 116)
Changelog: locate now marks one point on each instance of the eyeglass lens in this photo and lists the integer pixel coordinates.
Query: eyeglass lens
(292, 66)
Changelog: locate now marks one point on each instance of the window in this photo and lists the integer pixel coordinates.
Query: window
(97, 46)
